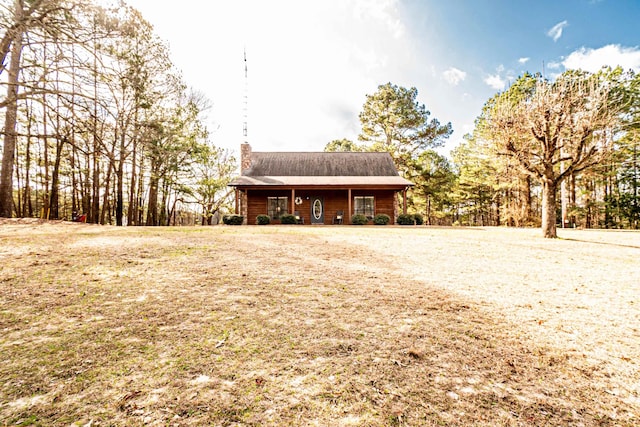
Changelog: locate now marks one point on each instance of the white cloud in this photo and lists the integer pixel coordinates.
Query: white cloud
(383, 11)
(523, 60)
(556, 31)
(495, 81)
(454, 76)
(611, 55)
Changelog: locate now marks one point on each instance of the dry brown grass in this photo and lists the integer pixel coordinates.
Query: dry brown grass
(326, 326)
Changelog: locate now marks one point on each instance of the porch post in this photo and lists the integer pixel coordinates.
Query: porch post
(237, 196)
(404, 201)
(293, 200)
(349, 204)
(244, 205)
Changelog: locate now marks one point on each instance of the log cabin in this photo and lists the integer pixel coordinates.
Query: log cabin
(318, 187)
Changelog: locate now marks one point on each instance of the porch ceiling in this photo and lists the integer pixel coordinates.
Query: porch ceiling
(322, 181)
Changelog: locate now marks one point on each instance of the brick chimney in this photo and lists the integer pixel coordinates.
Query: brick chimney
(245, 157)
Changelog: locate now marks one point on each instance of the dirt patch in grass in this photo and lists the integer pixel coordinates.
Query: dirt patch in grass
(322, 326)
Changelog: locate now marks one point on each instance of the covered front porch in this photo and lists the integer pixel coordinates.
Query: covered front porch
(320, 205)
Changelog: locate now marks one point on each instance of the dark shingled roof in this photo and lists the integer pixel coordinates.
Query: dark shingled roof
(320, 164)
(320, 169)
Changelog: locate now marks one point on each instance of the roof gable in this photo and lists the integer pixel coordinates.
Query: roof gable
(321, 164)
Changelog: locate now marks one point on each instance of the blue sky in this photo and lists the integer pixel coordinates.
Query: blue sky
(311, 63)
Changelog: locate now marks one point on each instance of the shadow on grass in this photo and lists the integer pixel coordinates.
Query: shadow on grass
(272, 335)
(620, 245)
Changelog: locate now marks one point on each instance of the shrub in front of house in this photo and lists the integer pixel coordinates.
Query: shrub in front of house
(287, 219)
(263, 220)
(359, 219)
(406, 219)
(233, 219)
(418, 218)
(381, 219)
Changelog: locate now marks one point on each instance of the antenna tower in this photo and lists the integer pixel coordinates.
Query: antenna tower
(246, 99)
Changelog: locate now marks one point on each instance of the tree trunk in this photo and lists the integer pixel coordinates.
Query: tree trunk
(18, 208)
(10, 122)
(572, 200)
(564, 203)
(527, 202)
(54, 199)
(120, 173)
(120, 190)
(27, 206)
(94, 207)
(105, 197)
(152, 212)
(154, 181)
(608, 195)
(164, 208)
(140, 191)
(634, 221)
(498, 206)
(95, 195)
(589, 187)
(131, 209)
(55, 182)
(549, 188)
(74, 181)
(46, 200)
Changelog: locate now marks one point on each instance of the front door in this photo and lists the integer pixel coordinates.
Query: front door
(317, 210)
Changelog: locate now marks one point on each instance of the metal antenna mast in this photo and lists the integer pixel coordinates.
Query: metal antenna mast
(246, 99)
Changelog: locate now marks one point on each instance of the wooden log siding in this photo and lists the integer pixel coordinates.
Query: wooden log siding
(258, 203)
(334, 201)
(336, 177)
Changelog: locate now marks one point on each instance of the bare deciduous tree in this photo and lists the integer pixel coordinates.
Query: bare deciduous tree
(555, 130)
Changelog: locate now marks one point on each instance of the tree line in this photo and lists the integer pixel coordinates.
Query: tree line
(545, 152)
(97, 120)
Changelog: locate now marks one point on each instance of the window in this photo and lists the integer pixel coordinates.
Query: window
(364, 205)
(277, 206)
